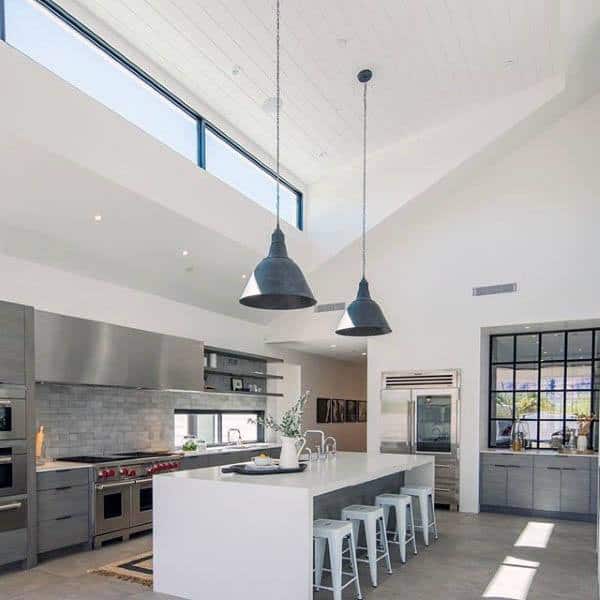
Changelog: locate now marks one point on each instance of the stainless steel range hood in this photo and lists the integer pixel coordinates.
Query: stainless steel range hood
(80, 351)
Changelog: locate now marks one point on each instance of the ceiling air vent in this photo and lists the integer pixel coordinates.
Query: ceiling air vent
(420, 379)
(330, 307)
(500, 288)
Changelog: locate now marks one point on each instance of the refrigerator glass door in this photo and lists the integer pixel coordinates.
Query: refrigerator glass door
(396, 421)
(433, 423)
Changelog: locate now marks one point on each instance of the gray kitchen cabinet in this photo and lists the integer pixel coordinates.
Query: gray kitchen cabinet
(13, 546)
(493, 485)
(519, 486)
(63, 509)
(594, 487)
(12, 343)
(546, 482)
(575, 492)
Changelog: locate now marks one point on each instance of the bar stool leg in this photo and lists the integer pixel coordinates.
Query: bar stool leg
(386, 548)
(354, 565)
(320, 545)
(424, 512)
(335, 556)
(401, 532)
(371, 536)
(434, 519)
(412, 527)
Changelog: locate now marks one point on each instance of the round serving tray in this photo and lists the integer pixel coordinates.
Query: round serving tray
(246, 469)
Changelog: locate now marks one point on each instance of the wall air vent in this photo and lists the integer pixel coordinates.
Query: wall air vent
(421, 379)
(330, 307)
(500, 288)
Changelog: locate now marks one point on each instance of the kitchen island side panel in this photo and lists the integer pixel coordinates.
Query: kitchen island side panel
(239, 540)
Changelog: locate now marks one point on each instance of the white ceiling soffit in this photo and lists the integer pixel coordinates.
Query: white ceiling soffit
(432, 60)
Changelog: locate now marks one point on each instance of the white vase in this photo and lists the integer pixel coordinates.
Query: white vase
(289, 453)
(582, 443)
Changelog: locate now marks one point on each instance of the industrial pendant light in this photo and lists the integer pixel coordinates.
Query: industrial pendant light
(277, 282)
(363, 317)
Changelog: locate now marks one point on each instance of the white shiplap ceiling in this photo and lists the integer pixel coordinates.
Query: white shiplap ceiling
(433, 60)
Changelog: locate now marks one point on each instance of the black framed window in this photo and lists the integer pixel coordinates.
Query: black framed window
(53, 38)
(212, 426)
(546, 379)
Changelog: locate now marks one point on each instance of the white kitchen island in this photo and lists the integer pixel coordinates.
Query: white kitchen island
(237, 536)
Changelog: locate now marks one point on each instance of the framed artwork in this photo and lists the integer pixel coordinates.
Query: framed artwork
(362, 411)
(338, 411)
(351, 411)
(323, 410)
(237, 384)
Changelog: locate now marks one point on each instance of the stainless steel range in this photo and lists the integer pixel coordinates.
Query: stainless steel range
(122, 503)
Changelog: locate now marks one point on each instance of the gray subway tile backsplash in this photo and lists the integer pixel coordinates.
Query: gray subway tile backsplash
(91, 420)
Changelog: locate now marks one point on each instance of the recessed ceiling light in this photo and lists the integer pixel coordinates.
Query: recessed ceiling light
(184, 252)
(236, 70)
(97, 218)
(333, 346)
(244, 276)
(527, 326)
(364, 353)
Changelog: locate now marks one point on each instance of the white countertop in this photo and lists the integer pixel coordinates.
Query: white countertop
(346, 469)
(536, 453)
(61, 465)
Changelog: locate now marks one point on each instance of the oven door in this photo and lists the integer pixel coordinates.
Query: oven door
(113, 506)
(141, 513)
(13, 468)
(12, 419)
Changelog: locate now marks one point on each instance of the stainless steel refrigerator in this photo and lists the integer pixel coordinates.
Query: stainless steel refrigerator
(420, 415)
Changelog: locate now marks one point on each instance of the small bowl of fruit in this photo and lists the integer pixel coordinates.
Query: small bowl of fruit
(262, 460)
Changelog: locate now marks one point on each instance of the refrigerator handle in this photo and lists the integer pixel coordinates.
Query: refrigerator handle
(411, 425)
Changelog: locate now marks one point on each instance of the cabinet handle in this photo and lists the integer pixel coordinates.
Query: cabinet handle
(568, 469)
(13, 506)
(5, 460)
(64, 518)
(443, 467)
(501, 466)
(64, 487)
(553, 468)
(514, 466)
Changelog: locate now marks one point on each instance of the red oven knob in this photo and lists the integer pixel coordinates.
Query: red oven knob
(124, 471)
(132, 473)
(111, 473)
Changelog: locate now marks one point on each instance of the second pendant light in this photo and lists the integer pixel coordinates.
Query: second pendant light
(363, 316)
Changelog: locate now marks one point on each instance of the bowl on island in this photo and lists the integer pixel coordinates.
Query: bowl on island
(262, 460)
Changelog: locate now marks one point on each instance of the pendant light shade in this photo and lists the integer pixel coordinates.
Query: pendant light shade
(363, 317)
(277, 282)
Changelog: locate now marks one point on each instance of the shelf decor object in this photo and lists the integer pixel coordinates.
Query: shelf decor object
(363, 316)
(277, 282)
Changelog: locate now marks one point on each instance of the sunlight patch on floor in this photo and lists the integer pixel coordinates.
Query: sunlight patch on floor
(535, 535)
(511, 581)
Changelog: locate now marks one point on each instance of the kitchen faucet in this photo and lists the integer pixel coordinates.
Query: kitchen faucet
(318, 432)
(333, 445)
(239, 439)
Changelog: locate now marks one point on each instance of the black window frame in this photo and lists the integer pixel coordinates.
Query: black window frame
(593, 390)
(202, 123)
(260, 430)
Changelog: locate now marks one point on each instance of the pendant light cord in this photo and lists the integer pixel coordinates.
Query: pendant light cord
(278, 99)
(364, 186)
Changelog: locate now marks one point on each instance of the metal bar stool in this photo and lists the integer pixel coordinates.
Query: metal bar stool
(372, 518)
(427, 520)
(333, 533)
(402, 504)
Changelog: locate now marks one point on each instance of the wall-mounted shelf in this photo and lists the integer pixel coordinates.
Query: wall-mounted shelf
(242, 393)
(234, 374)
(236, 354)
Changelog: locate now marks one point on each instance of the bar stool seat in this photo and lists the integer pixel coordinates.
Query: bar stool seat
(427, 519)
(402, 505)
(372, 517)
(333, 533)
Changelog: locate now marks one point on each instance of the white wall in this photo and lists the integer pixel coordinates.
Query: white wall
(531, 218)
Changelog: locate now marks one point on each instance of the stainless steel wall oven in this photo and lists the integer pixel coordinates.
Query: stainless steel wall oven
(13, 468)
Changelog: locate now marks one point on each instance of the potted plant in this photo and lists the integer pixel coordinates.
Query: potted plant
(585, 422)
(290, 428)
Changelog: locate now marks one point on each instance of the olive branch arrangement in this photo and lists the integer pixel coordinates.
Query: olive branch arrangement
(291, 420)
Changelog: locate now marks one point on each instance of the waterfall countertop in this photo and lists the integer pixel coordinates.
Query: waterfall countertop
(225, 535)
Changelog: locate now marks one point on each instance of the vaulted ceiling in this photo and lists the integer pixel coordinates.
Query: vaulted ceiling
(433, 60)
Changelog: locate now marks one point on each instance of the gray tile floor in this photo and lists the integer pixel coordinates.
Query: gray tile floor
(472, 551)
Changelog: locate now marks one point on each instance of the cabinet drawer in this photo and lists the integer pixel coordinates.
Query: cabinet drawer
(13, 546)
(570, 463)
(62, 502)
(194, 462)
(61, 533)
(50, 480)
(515, 460)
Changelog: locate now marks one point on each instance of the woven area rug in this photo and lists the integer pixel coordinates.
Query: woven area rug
(137, 569)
